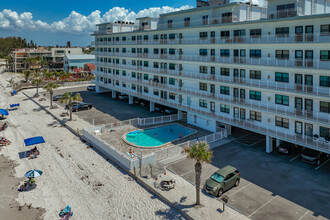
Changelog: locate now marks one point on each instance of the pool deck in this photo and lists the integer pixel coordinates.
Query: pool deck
(115, 138)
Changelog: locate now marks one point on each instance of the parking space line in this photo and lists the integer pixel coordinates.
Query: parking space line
(186, 173)
(240, 189)
(292, 159)
(262, 206)
(257, 142)
(322, 164)
(303, 215)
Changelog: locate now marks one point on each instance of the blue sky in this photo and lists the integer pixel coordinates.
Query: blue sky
(55, 22)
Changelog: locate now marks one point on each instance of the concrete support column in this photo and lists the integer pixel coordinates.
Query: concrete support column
(278, 142)
(152, 106)
(130, 99)
(113, 94)
(228, 127)
(98, 89)
(269, 144)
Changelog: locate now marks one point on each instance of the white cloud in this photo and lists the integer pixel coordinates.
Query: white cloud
(76, 22)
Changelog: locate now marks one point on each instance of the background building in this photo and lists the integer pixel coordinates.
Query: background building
(237, 66)
(72, 63)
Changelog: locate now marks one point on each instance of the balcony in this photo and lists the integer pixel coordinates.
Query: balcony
(248, 124)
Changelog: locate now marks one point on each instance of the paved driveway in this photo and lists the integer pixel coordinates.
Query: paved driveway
(272, 186)
(105, 109)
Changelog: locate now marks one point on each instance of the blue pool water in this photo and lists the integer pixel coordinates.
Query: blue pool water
(164, 134)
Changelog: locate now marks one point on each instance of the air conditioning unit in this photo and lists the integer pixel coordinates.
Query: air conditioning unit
(269, 98)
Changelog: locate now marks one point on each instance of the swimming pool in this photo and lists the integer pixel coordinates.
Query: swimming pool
(158, 136)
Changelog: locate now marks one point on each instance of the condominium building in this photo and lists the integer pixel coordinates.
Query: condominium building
(264, 69)
(54, 56)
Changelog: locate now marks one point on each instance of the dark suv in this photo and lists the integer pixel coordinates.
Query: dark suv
(222, 180)
(312, 156)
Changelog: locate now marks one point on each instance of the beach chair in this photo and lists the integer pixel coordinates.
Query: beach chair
(14, 106)
(66, 213)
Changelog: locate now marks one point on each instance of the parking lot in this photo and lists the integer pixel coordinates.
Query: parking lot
(272, 186)
(105, 109)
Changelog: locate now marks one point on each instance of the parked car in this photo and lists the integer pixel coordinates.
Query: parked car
(287, 148)
(222, 180)
(123, 97)
(73, 104)
(91, 88)
(313, 156)
(81, 106)
(57, 97)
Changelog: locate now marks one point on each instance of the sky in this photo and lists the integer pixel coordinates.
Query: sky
(58, 21)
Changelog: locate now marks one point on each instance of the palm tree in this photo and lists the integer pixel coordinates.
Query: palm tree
(37, 82)
(201, 153)
(50, 87)
(27, 74)
(28, 62)
(69, 98)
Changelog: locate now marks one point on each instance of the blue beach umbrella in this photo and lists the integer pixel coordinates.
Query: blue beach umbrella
(3, 112)
(33, 173)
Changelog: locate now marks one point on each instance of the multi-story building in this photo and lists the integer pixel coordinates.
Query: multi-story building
(54, 56)
(264, 69)
(74, 63)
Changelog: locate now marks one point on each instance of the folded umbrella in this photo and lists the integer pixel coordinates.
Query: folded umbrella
(33, 173)
(3, 112)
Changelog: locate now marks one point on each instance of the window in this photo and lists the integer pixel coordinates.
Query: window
(224, 90)
(212, 70)
(282, 99)
(123, 38)
(145, 37)
(145, 90)
(187, 22)
(156, 92)
(171, 36)
(123, 73)
(156, 51)
(325, 107)
(255, 74)
(325, 132)
(202, 34)
(203, 86)
(282, 54)
(169, 23)
(133, 74)
(117, 50)
(133, 50)
(224, 108)
(171, 66)
(225, 52)
(255, 116)
(281, 122)
(145, 63)
(205, 20)
(133, 86)
(224, 71)
(145, 51)
(156, 37)
(281, 77)
(203, 103)
(171, 96)
(287, 10)
(325, 29)
(133, 38)
(156, 65)
(226, 17)
(325, 81)
(171, 51)
(117, 38)
(171, 81)
(203, 69)
(239, 33)
(255, 53)
(282, 32)
(123, 84)
(203, 52)
(225, 34)
(255, 33)
(145, 77)
(255, 95)
(325, 55)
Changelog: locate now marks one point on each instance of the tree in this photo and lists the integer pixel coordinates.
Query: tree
(201, 153)
(27, 74)
(29, 62)
(69, 98)
(50, 88)
(37, 82)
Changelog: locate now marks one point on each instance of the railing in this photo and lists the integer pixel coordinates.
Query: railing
(246, 39)
(246, 124)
